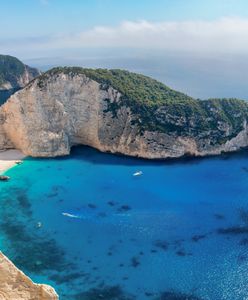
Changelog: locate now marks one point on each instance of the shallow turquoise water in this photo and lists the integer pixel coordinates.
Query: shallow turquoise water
(179, 231)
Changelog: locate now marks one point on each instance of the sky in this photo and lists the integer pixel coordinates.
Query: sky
(199, 47)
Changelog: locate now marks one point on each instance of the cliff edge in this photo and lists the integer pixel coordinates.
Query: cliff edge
(120, 112)
(15, 285)
(14, 74)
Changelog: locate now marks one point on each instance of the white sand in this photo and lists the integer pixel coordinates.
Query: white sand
(9, 159)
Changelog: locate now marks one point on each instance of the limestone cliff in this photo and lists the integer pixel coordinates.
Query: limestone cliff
(15, 285)
(14, 74)
(119, 112)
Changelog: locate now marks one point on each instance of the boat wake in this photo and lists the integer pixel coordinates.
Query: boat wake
(71, 216)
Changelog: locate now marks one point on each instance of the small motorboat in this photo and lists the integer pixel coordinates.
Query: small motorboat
(70, 215)
(4, 178)
(39, 225)
(138, 173)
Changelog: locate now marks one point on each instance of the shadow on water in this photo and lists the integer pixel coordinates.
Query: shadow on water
(94, 156)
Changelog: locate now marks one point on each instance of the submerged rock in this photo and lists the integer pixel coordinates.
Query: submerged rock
(135, 262)
(161, 244)
(243, 215)
(104, 293)
(124, 208)
(171, 295)
(219, 216)
(60, 279)
(244, 242)
(182, 253)
(234, 230)
(33, 251)
(198, 237)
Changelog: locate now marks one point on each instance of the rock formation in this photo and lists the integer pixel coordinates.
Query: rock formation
(14, 75)
(15, 285)
(72, 106)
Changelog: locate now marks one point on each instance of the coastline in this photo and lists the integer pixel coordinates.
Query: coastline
(14, 284)
(9, 159)
(9, 274)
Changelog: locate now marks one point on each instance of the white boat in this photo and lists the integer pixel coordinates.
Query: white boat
(138, 173)
(39, 225)
(70, 215)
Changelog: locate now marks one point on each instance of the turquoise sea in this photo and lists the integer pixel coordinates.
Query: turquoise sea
(88, 227)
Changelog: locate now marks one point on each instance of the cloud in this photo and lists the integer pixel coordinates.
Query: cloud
(222, 36)
(202, 58)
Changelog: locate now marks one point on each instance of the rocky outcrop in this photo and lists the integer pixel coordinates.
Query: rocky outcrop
(17, 81)
(15, 285)
(14, 74)
(63, 109)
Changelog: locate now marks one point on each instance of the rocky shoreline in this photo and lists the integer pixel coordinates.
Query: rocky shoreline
(14, 284)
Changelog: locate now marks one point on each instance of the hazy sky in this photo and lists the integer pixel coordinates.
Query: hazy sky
(197, 46)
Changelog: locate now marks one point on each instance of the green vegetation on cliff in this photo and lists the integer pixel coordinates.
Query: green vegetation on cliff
(136, 88)
(13, 75)
(10, 68)
(157, 107)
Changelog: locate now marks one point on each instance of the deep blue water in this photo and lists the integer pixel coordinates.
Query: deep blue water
(5, 94)
(179, 230)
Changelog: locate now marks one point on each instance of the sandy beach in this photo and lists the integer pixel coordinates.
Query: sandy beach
(9, 158)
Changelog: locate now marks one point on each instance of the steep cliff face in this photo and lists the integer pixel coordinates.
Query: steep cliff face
(16, 286)
(14, 74)
(118, 112)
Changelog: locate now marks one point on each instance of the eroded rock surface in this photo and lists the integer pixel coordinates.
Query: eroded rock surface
(14, 74)
(63, 109)
(15, 285)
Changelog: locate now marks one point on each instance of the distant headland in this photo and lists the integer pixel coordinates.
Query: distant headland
(114, 111)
